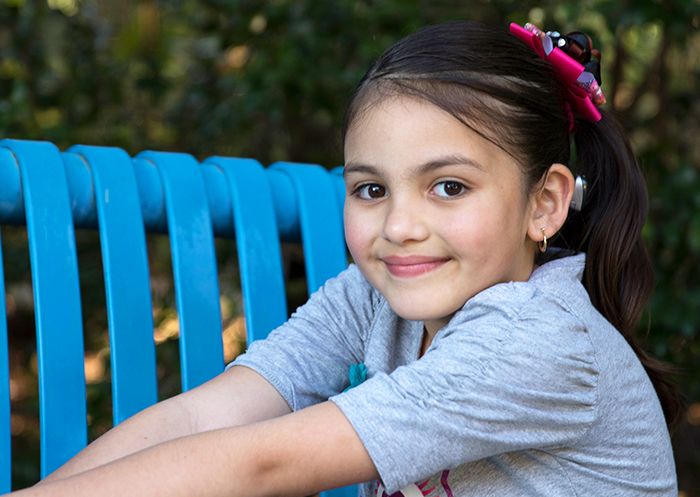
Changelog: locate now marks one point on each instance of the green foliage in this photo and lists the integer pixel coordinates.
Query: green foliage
(269, 80)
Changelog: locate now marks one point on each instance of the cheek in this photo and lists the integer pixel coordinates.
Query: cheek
(486, 229)
(473, 241)
(472, 227)
(356, 233)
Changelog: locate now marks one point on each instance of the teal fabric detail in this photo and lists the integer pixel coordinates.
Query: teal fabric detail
(357, 374)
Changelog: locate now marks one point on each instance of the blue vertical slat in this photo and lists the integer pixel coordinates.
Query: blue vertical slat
(81, 191)
(53, 257)
(325, 254)
(194, 267)
(127, 282)
(284, 199)
(257, 239)
(11, 199)
(339, 182)
(322, 236)
(150, 189)
(5, 427)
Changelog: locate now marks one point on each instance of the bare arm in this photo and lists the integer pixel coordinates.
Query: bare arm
(298, 454)
(237, 397)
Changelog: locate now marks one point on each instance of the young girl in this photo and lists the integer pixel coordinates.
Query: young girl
(492, 304)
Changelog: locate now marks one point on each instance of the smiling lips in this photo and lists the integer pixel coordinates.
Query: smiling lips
(412, 266)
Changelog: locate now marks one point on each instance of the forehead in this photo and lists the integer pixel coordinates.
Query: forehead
(403, 134)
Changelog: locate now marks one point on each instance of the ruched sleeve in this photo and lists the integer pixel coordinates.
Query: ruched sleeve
(514, 369)
(308, 358)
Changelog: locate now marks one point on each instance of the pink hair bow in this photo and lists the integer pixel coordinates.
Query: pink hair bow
(583, 89)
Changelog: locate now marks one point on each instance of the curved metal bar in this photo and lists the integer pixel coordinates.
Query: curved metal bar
(339, 183)
(11, 197)
(127, 280)
(194, 267)
(259, 255)
(321, 225)
(152, 197)
(59, 326)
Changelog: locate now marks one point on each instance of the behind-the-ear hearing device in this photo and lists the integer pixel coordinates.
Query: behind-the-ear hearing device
(580, 190)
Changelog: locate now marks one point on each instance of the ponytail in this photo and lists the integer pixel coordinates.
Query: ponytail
(618, 275)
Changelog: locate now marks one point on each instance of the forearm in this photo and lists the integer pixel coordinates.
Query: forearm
(159, 423)
(298, 454)
(177, 467)
(237, 397)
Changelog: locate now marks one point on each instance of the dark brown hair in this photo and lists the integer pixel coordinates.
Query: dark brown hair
(500, 88)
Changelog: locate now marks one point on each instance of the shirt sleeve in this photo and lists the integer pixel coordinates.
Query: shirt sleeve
(307, 359)
(494, 380)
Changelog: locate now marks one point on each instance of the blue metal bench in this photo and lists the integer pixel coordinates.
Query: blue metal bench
(104, 188)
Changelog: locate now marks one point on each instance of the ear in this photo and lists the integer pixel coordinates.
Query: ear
(551, 202)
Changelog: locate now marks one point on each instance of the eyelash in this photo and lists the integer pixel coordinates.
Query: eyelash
(462, 188)
(358, 191)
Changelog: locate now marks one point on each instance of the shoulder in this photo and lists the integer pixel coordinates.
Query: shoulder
(536, 332)
(554, 294)
(347, 300)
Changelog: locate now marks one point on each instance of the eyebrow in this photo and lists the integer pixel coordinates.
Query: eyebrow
(357, 167)
(447, 160)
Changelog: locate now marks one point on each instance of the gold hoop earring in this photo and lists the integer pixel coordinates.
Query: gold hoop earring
(543, 243)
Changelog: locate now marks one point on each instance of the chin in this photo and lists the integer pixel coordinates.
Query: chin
(415, 313)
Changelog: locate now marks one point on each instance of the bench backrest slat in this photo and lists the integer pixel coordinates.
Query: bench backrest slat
(194, 267)
(57, 304)
(127, 280)
(321, 224)
(257, 240)
(322, 235)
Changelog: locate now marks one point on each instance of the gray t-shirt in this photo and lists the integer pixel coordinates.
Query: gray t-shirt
(527, 391)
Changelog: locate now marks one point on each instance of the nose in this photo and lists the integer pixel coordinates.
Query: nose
(404, 222)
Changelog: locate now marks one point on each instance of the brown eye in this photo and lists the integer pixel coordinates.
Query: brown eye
(372, 191)
(449, 189)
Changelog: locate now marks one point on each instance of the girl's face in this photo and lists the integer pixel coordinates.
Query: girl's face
(434, 213)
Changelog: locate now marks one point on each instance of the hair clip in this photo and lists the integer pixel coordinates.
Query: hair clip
(569, 54)
(580, 191)
(579, 47)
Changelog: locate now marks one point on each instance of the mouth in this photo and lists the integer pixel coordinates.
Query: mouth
(412, 266)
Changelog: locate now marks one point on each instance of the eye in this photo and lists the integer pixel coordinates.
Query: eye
(449, 189)
(371, 191)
